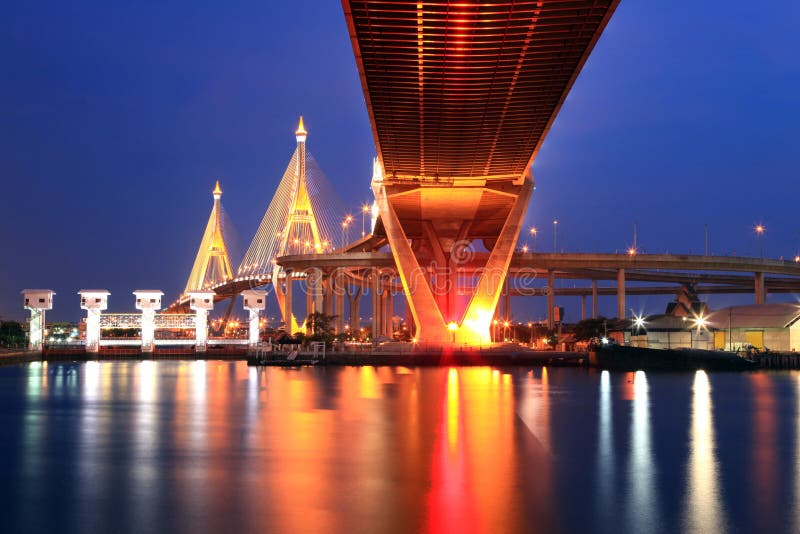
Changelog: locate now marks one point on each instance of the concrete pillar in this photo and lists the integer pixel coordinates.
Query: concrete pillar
(149, 302)
(94, 301)
(309, 300)
(376, 304)
(595, 303)
(583, 307)
(287, 301)
(551, 302)
(621, 293)
(410, 320)
(760, 289)
(327, 297)
(337, 283)
(37, 301)
(254, 301)
(355, 310)
(388, 311)
(201, 302)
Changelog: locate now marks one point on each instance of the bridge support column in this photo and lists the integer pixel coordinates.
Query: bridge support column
(376, 304)
(287, 302)
(431, 318)
(551, 301)
(583, 307)
(202, 302)
(327, 295)
(760, 288)
(355, 310)
(338, 290)
(37, 301)
(388, 311)
(621, 293)
(93, 301)
(595, 303)
(254, 301)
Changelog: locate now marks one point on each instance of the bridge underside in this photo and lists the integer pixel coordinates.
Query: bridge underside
(460, 96)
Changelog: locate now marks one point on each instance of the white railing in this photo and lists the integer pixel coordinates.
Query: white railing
(175, 320)
(120, 320)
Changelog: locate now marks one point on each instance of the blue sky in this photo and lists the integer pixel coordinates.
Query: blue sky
(115, 120)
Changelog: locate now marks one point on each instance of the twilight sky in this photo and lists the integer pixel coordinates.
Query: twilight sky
(116, 118)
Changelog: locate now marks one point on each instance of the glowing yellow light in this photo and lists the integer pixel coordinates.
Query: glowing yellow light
(301, 130)
(524, 248)
(534, 230)
(506, 324)
(631, 251)
(452, 326)
(759, 228)
(217, 190)
(365, 208)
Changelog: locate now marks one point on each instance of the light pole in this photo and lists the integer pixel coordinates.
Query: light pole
(534, 233)
(364, 211)
(555, 235)
(760, 232)
(346, 228)
(530, 331)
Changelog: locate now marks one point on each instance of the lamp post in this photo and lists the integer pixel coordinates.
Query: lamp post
(760, 232)
(530, 331)
(345, 228)
(555, 235)
(534, 233)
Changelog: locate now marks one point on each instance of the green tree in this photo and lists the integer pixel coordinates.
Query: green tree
(589, 329)
(321, 326)
(12, 334)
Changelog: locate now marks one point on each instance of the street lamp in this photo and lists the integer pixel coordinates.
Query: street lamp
(505, 330)
(345, 228)
(530, 330)
(364, 211)
(760, 231)
(534, 233)
(452, 327)
(555, 235)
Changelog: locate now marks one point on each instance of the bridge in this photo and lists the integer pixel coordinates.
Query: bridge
(460, 97)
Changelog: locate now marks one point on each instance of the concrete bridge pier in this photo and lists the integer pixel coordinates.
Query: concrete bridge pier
(338, 290)
(287, 301)
(376, 304)
(594, 299)
(760, 290)
(355, 310)
(388, 305)
(583, 307)
(550, 299)
(621, 293)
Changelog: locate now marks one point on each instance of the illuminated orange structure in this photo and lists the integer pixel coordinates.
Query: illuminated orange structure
(212, 264)
(460, 97)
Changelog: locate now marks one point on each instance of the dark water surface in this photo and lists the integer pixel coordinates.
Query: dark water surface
(220, 447)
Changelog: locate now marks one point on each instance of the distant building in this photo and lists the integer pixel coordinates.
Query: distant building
(772, 326)
(667, 332)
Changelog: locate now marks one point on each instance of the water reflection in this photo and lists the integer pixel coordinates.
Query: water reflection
(605, 449)
(642, 502)
(764, 460)
(214, 446)
(703, 510)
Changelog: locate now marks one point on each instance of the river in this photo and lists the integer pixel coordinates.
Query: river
(211, 446)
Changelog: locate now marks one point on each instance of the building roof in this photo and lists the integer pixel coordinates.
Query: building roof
(775, 315)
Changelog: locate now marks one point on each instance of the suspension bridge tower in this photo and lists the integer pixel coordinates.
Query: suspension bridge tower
(212, 265)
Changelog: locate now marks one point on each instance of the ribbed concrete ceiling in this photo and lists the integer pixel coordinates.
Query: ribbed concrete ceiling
(468, 89)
